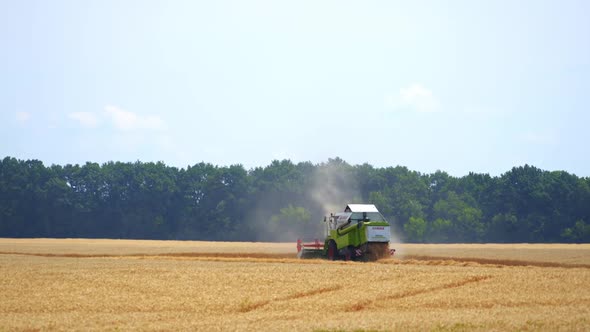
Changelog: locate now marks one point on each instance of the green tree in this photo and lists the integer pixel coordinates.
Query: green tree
(579, 233)
(439, 231)
(505, 228)
(465, 219)
(415, 229)
(204, 201)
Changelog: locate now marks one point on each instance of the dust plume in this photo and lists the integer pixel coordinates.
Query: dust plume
(396, 241)
(286, 215)
(332, 186)
(326, 189)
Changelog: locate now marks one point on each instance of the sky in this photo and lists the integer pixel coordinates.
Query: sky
(458, 86)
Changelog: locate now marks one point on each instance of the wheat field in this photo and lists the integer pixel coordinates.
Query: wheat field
(79, 284)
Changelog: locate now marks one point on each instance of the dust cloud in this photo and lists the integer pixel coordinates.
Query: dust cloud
(326, 190)
(332, 187)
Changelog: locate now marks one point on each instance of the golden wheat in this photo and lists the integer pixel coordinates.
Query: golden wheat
(161, 285)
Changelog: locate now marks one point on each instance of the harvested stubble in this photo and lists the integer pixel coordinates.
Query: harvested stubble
(194, 290)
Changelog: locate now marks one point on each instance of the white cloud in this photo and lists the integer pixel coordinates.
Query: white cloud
(414, 97)
(126, 120)
(23, 117)
(86, 119)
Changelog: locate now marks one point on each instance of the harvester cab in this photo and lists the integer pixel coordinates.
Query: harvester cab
(360, 233)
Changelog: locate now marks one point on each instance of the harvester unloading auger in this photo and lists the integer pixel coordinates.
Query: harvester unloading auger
(359, 233)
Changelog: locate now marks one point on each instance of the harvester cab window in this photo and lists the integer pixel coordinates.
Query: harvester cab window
(339, 219)
(367, 216)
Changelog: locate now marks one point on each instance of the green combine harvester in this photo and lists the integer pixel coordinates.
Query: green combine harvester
(358, 233)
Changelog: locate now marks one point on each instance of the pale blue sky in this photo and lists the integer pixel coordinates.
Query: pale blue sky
(453, 85)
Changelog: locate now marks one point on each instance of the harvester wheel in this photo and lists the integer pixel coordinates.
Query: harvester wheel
(332, 250)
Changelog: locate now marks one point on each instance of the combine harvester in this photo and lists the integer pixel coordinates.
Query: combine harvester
(358, 233)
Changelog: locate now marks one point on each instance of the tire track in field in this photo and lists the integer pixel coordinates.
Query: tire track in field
(510, 304)
(413, 292)
(173, 254)
(247, 306)
(466, 261)
(291, 258)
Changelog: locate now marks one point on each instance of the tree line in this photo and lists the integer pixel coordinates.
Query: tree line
(286, 200)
